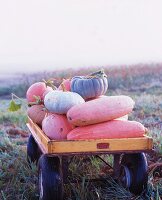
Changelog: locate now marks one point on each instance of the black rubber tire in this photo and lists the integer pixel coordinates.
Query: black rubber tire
(50, 178)
(33, 151)
(137, 165)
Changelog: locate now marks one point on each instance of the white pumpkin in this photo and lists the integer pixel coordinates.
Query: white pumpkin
(60, 102)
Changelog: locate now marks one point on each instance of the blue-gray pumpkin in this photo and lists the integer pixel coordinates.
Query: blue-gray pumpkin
(60, 102)
(90, 86)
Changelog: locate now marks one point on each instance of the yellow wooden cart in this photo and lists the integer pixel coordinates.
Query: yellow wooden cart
(130, 164)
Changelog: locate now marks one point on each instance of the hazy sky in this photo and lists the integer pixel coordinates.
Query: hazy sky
(48, 34)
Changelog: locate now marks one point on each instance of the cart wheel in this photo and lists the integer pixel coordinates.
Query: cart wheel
(133, 172)
(33, 151)
(50, 178)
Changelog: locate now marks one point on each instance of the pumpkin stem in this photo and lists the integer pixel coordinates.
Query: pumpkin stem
(37, 101)
(50, 83)
(98, 74)
(14, 95)
(63, 87)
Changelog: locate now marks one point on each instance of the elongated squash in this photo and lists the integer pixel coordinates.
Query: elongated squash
(107, 130)
(100, 110)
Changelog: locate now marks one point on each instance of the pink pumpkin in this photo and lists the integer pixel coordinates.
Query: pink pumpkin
(48, 89)
(37, 89)
(56, 126)
(37, 113)
(108, 130)
(100, 110)
(66, 84)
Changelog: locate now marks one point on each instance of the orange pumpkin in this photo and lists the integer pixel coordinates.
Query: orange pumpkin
(37, 113)
(106, 130)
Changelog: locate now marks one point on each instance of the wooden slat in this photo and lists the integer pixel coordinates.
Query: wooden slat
(43, 147)
(150, 143)
(41, 139)
(91, 146)
(125, 144)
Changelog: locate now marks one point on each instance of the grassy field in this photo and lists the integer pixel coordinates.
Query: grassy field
(19, 181)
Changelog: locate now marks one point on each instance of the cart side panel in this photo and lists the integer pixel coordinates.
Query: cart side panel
(41, 139)
(102, 145)
(88, 146)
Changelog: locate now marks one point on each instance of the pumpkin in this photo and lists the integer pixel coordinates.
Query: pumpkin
(37, 90)
(107, 130)
(56, 126)
(60, 102)
(66, 84)
(48, 89)
(100, 110)
(37, 113)
(90, 86)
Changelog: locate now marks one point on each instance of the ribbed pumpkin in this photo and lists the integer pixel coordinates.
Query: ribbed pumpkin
(60, 102)
(56, 126)
(90, 86)
(107, 130)
(100, 110)
(37, 113)
(37, 90)
(66, 84)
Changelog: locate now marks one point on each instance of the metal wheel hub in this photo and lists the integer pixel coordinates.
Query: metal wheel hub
(125, 176)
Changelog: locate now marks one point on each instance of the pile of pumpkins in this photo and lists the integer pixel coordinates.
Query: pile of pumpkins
(79, 109)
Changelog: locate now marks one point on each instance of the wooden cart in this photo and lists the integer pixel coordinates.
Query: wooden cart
(130, 164)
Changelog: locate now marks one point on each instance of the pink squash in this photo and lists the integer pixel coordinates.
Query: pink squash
(66, 83)
(37, 89)
(56, 126)
(125, 118)
(37, 113)
(107, 130)
(100, 110)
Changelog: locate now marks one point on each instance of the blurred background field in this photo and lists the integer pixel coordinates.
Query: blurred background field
(136, 78)
(17, 181)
